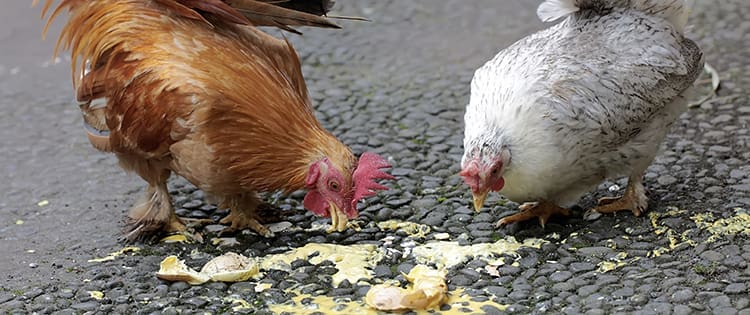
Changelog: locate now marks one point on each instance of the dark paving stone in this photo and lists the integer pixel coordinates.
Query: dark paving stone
(560, 276)
(735, 288)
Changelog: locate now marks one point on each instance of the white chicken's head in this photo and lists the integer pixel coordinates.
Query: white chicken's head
(482, 167)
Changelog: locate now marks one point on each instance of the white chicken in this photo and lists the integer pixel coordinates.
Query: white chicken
(590, 98)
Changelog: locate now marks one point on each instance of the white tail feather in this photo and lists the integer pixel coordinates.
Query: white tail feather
(552, 10)
(674, 11)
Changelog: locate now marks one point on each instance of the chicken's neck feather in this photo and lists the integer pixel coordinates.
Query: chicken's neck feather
(274, 152)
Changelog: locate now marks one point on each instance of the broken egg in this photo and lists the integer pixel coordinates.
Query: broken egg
(427, 291)
(174, 269)
(230, 267)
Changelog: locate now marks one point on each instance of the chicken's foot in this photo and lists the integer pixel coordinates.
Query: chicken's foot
(634, 199)
(243, 213)
(153, 214)
(542, 210)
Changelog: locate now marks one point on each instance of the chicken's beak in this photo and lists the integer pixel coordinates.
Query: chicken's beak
(479, 198)
(338, 218)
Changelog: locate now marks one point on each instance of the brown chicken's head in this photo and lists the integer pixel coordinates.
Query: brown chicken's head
(483, 172)
(332, 193)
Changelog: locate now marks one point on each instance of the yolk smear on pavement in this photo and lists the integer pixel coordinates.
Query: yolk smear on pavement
(305, 304)
(410, 228)
(445, 255)
(353, 261)
(737, 224)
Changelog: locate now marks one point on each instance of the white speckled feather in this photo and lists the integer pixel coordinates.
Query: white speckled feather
(675, 11)
(587, 99)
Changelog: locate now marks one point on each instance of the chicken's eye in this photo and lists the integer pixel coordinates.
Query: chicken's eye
(334, 186)
(495, 171)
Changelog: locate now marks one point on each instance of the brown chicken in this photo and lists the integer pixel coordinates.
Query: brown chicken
(193, 87)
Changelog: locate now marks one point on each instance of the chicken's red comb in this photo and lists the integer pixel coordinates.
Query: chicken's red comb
(364, 176)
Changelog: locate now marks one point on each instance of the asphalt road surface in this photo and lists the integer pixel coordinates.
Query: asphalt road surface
(397, 85)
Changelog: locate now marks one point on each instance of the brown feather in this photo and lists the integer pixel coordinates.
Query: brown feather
(95, 120)
(265, 14)
(218, 8)
(92, 85)
(281, 14)
(169, 77)
(183, 10)
(316, 7)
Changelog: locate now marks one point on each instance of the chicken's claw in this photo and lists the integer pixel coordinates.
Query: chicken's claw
(238, 222)
(152, 215)
(634, 200)
(626, 202)
(541, 210)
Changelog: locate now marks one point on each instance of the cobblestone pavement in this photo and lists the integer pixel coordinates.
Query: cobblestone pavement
(397, 85)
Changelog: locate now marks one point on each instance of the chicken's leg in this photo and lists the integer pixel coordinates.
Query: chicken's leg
(634, 199)
(542, 210)
(243, 213)
(154, 212)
